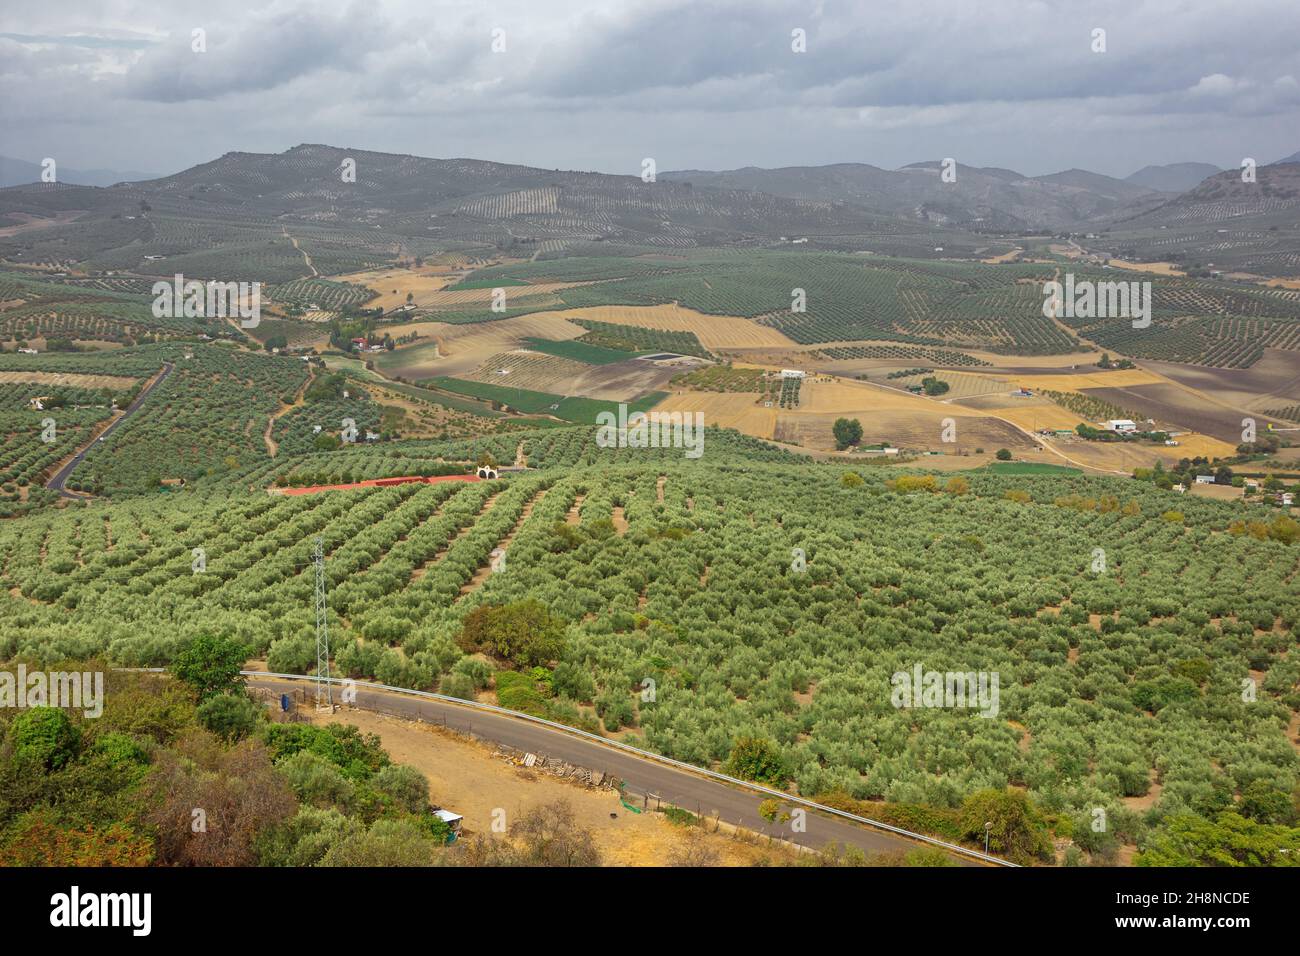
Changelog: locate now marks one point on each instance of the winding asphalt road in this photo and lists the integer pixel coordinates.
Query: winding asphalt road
(60, 478)
(643, 777)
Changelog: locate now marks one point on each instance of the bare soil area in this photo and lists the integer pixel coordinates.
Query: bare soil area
(467, 778)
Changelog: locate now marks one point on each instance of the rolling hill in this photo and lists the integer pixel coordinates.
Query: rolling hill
(1173, 177)
(981, 198)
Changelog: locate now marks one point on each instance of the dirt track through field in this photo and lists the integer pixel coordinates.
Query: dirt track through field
(272, 446)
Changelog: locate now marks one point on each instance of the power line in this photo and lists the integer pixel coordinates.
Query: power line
(324, 687)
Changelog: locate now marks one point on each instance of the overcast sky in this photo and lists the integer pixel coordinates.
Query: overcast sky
(600, 84)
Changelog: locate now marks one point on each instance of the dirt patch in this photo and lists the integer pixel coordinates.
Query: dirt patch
(1184, 407)
(467, 778)
(1148, 800)
(32, 223)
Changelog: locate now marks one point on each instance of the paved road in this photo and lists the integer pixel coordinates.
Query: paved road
(61, 476)
(642, 776)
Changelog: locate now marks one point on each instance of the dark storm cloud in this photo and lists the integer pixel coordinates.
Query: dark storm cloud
(704, 83)
(256, 53)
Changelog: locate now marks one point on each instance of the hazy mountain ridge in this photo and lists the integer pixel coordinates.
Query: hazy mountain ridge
(1173, 177)
(979, 198)
(18, 172)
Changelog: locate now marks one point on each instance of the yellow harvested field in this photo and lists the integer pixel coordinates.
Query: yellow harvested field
(68, 378)
(840, 396)
(739, 410)
(1101, 378)
(1033, 417)
(463, 348)
(428, 286)
(1192, 445)
(500, 336)
(392, 285)
(1005, 257)
(455, 298)
(713, 331)
(1159, 268)
(1036, 361)
(960, 384)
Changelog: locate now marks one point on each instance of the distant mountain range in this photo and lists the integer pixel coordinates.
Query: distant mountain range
(405, 205)
(1173, 178)
(18, 172)
(981, 198)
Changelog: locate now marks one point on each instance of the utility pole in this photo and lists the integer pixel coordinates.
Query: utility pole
(324, 690)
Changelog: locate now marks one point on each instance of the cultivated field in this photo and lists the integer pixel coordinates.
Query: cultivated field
(72, 379)
(715, 332)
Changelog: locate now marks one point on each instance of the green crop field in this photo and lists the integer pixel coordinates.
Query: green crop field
(1029, 468)
(569, 408)
(581, 351)
(699, 595)
(632, 338)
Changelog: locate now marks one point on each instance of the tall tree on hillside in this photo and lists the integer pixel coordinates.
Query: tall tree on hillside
(847, 431)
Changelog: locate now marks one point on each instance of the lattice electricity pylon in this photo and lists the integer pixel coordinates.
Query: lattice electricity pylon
(324, 690)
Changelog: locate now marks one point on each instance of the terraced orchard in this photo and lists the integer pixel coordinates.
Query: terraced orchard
(1120, 689)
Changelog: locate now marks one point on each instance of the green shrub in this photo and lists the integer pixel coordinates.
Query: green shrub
(407, 786)
(43, 738)
(230, 716)
(755, 758)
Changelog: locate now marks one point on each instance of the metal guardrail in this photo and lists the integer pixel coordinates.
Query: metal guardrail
(645, 755)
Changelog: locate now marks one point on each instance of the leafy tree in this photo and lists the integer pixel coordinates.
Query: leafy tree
(573, 681)
(1229, 840)
(408, 787)
(1267, 804)
(756, 758)
(358, 755)
(317, 781)
(1154, 695)
(1004, 454)
(457, 685)
(230, 716)
(44, 739)
(304, 839)
(211, 665)
(1018, 831)
(386, 843)
(847, 431)
(524, 632)
(957, 485)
